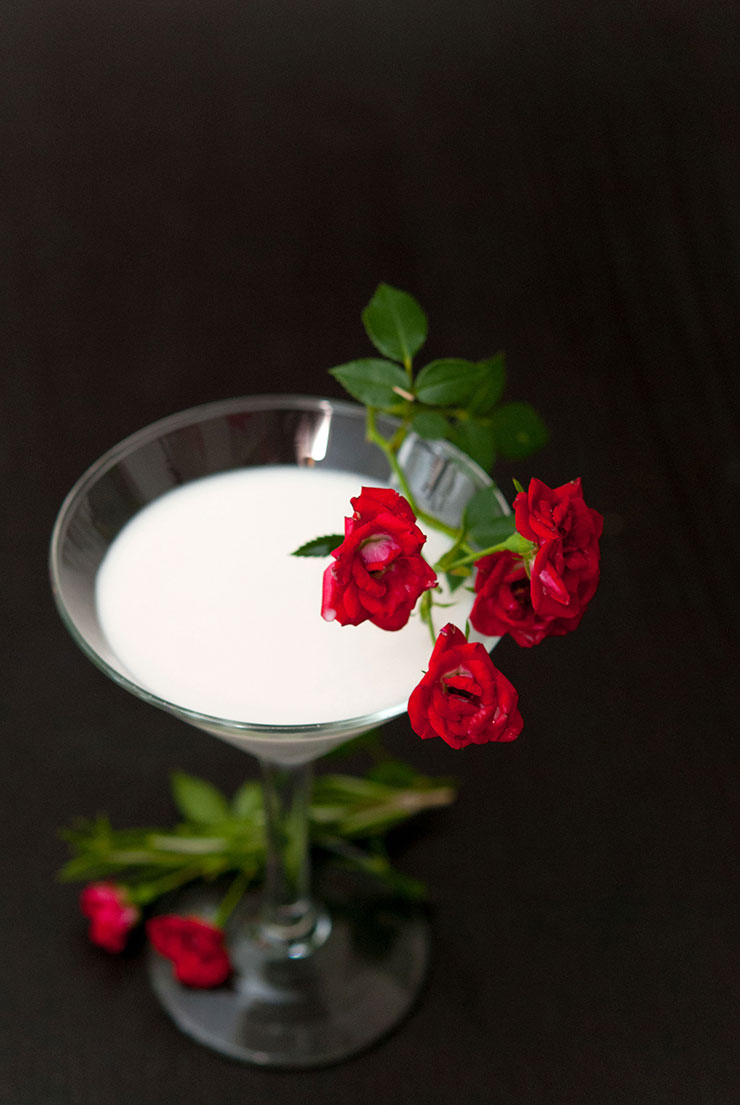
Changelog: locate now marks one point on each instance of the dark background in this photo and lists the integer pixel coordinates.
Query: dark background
(199, 196)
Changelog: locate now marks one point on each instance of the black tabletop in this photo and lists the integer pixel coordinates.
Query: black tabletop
(199, 199)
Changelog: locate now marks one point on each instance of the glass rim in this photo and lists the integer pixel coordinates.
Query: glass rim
(150, 433)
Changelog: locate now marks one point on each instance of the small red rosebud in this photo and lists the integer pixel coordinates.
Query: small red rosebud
(195, 947)
(112, 914)
(503, 603)
(378, 572)
(464, 698)
(565, 569)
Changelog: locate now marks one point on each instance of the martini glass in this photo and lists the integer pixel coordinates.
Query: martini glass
(310, 986)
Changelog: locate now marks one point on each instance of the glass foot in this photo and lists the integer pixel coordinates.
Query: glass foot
(276, 1011)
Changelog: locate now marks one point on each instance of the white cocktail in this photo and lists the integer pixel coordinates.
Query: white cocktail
(201, 600)
(171, 567)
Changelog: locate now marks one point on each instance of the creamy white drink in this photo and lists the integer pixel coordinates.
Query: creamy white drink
(202, 602)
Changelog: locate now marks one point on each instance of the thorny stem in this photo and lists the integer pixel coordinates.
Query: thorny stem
(515, 543)
(390, 447)
(147, 892)
(429, 520)
(425, 609)
(231, 899)
(389, 450)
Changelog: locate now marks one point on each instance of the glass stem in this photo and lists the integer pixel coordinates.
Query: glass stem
(289, 917)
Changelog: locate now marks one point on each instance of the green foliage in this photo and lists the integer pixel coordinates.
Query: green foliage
(449, 382)
(197, 800)
(372, 381)
(348, 817)
(246, 803)
(485, 524)
(320, 546)
(518, 430)
(490, 387)
(449, 397)
(395, 323)
(431, 425)
(476, 439)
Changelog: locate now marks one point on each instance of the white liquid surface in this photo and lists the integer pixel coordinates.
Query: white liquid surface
(205, 607)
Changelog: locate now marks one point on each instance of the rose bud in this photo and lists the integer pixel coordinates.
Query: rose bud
(112, 914)
(503, 603)
(463, 698)
(565, 571)
(195, 947)
(379, 572)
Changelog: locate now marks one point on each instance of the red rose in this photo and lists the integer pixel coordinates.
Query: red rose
(557, 592)
(379, 572)
(463, 698)
(565, 571)
(111, 912)
(503, 602)
(195, 948)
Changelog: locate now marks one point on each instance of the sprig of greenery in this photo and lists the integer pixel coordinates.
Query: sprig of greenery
(448, 398)
(349, 817)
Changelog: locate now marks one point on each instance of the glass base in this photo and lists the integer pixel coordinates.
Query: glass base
(352, 989)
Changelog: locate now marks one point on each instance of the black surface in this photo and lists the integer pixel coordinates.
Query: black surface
(199, 197)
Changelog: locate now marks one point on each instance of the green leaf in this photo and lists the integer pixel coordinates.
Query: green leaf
(430, 425)
(476, 439)
(393, 773)
(319, 546)
(198, 800)
(488, 392)
(447, 559)
(247, 801)
(403, 885)
(449, 381)
(371, 381)
(518, 430)
(486, 525)
(395, 323)
(346, 789)
(372, 821)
